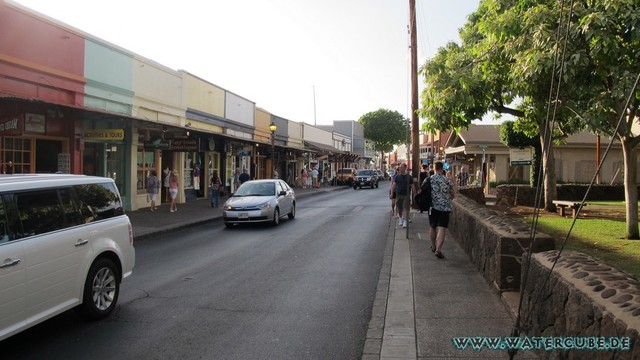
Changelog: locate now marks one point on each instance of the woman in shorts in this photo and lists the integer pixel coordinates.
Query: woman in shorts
(392, 195)
(173, 190)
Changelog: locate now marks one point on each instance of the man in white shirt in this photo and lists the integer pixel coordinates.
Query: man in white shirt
(314, 176)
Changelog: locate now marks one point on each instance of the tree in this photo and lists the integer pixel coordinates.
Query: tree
(604, 66)
(506, 54)
(586, 57)
(385, 128)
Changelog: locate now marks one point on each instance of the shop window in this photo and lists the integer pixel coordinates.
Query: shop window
(213, 164)
(189, 162)
(146, 162)
(16, 155)
(115, 166)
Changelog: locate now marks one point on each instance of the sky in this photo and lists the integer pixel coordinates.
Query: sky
(313, 61)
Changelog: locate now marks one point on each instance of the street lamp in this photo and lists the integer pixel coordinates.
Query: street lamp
(273, 127)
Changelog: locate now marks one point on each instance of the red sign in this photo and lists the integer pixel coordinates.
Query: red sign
(11, 125)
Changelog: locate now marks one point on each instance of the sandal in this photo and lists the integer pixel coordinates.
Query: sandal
(433, 249)
(439, 255)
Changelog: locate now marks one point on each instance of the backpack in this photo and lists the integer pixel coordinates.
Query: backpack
(423, 197)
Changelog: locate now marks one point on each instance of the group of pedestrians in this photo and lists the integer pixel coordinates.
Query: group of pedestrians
(310, 179)
(170, 183)
(442, 195)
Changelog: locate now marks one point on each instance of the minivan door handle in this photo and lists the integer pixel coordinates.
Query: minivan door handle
(81, 242)
(8, 263)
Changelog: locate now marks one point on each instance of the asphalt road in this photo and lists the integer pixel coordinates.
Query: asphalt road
(301, 290)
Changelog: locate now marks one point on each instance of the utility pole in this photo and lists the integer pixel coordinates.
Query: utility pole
(314, 105)
(415, 145)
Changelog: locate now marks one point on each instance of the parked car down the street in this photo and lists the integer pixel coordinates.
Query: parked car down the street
(345, 176)
(260, 201)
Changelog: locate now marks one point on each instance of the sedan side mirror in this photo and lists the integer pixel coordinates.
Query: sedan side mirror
(282, 193)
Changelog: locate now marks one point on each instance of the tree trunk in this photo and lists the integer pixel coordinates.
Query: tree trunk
(630, 188)
(549, 170)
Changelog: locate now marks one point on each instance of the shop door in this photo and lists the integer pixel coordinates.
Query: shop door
(47, 155)
(91, 159)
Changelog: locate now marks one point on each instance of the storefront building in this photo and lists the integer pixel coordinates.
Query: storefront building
(73, 103)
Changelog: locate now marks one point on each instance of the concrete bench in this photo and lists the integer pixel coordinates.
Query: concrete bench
(563, 204)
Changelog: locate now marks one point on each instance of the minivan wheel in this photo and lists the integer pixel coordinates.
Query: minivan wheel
(101, 290)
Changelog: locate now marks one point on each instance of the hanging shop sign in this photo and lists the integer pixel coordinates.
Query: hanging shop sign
(185, 145)
(159, 144)
(104, 134)
(34, 123)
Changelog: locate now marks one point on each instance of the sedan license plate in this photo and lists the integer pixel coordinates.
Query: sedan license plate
(243, 215)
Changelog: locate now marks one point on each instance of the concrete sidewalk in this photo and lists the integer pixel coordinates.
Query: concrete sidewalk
(422, 302)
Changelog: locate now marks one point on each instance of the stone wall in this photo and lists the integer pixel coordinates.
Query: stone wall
(525, 195)
(474, 193)
(582, 297)
(494, 243)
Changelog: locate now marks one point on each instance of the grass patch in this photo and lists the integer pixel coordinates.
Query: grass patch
(620, 203)
(600, 238)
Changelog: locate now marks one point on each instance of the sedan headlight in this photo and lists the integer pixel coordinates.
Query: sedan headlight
(264, 205)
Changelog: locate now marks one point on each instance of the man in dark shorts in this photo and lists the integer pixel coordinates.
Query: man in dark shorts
(442, 194)
(402, 187)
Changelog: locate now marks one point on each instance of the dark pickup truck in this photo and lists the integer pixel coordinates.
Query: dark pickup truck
(366, 177)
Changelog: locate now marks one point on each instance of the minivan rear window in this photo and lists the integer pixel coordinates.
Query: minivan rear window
(43, 210)
(99, 201)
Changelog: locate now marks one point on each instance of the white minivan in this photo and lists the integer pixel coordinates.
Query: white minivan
(65, 242)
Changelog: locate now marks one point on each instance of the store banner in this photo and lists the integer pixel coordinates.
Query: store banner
(11, 125)
(104, 134)
(185, 145)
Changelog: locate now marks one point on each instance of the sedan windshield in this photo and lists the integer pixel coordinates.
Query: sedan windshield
(256, 189)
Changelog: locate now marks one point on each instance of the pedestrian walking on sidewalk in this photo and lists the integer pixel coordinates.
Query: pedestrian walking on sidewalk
(392, 193)
(173, 190)
(442, 194)
(153, 187)
(403, 185)
(215, 185)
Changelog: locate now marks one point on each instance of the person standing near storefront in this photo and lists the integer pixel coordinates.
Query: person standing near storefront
(215, 185)
(165, 182)
(153, 186)
(236, 179)
(314, 177)
(244, 177)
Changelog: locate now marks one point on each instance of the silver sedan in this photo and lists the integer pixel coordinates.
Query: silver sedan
(260, 201)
